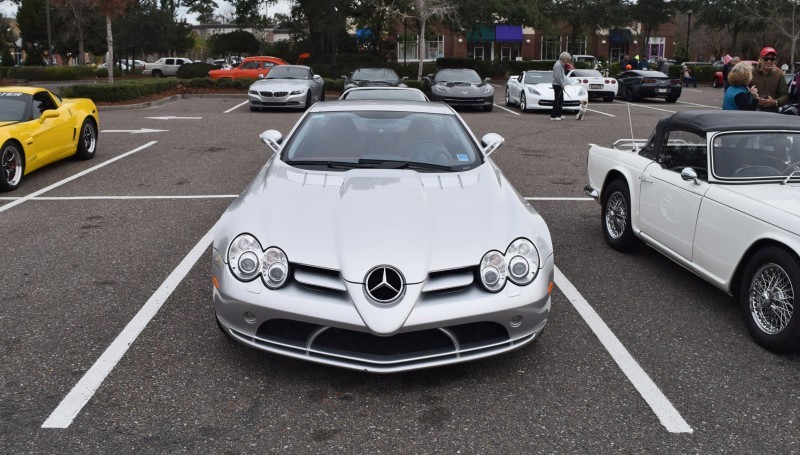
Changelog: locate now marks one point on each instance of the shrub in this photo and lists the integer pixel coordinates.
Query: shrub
(103, 72)
(122, 91)
(31, 73)
(336, 85)
(51, 73)
(193, 70)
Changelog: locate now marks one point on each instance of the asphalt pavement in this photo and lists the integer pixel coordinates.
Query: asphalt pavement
(108, 341)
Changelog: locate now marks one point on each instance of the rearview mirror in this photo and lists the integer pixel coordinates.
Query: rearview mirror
(273, 139)
(491, 142)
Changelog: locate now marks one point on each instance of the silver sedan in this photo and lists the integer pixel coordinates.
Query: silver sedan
(380, 236)
(286, 86)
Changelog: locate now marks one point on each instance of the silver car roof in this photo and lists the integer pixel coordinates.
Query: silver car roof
(383, 105)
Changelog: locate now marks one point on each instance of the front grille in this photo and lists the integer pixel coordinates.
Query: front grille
(464, 100)
(572, 103)
(266, 94)
(280, 94)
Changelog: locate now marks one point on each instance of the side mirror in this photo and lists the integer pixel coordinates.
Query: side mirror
(50, 113)
(404, 78)
(273, 139)
(317, 77)
(344, 77)
(427, 79)
(261, 76)
(688, 175)
(491, 142)
(487, 80)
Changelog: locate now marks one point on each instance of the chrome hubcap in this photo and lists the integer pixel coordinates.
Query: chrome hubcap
(771, 299)
(12, 165)
(616, 215)
(89, 138)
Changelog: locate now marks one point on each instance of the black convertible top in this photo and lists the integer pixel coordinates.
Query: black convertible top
(712, 120)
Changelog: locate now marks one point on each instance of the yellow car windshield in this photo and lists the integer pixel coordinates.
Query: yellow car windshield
(13, 106)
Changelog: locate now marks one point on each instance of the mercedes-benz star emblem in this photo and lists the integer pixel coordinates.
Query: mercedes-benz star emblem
(384, 284)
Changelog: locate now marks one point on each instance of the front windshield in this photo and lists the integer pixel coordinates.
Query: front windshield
(586, 73)
(13, 106)
(538, 78)
(756, 156)
(376, 74)
(383, 94)
(343, 140)
(458, 76)
(278, 72)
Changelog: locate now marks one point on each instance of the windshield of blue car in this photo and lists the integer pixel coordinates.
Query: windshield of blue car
(278, 72)
(445, 76)
(375, 74)
(383, 94)
(13, 106)
(586, 73)
(382, 139)
(538, 78)
(763, 155)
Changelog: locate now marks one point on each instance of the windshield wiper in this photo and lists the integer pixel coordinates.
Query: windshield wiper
(330, 164)
(400, 164)
(789, 177)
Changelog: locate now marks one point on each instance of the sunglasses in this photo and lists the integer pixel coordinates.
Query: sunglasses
(768, 59)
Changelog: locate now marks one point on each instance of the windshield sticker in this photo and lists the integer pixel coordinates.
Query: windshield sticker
(10, 94)
(462, 157)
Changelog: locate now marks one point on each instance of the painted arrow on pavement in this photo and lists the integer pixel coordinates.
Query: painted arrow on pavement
(139, 131)
(172, 117)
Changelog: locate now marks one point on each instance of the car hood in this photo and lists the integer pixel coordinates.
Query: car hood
(464, 88)
(365, 83)
(571, 91)
(280, 84)
(353, 221)
(772, 202)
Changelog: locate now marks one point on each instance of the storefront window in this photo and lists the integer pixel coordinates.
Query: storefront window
(551, 47)
(434, 49)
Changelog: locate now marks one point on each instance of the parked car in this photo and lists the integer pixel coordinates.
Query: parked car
(718, 192)
(460, 88)
(719, 80)
(590, 60)
(595, 84)
(381, 237)
(250, 68)
(39, 128)
(167, 66)
(373, 77)
(293, 86)
(533, 90)
(637, 84)
(384, 93)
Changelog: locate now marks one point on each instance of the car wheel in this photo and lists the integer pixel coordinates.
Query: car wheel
(488, 108)
(157, 73)
(87, 142)
(671, 99)
(767, 299)
(629, 94)
(308, 101)
(616, 217)
(12, 166)
(508, 98)
(523, 103)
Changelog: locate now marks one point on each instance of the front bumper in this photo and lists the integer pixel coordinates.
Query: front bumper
(267, 99)
(324, 326)
(477, 101)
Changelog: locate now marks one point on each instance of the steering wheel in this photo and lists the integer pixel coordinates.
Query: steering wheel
(790, 167)
(756, 171)
(428, 151)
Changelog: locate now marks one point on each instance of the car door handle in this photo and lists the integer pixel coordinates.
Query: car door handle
(644, 179)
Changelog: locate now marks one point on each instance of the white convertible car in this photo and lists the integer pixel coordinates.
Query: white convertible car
(533, 90)
(718, 193)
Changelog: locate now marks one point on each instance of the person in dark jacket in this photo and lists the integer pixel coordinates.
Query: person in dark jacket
(739, 96)
(772, 87)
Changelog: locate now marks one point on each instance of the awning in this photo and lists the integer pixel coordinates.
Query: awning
(508, 33)
(619, 36)
(363, 33)
(481, 33)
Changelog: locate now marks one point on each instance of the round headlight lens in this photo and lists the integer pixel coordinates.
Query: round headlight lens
(518, 267)
(493, 271)
(243, 257)
(523, 261)
(275, 268)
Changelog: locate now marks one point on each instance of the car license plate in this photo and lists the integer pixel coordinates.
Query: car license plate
(595, 86)
(662, 90)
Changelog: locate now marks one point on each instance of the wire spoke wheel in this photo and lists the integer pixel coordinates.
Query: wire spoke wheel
(616, 215)
(771, 299)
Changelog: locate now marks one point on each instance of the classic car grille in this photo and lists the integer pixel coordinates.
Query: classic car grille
(441, 282)
(273, 94)
(361, 349)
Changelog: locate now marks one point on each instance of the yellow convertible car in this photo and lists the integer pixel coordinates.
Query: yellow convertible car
(37, 128)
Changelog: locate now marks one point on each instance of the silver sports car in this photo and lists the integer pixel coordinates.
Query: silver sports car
(292, 86)
(460, 88)
(381, 237)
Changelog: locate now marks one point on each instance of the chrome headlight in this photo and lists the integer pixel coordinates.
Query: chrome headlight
(252, 92)
(438, 88)
(297, 92)
(533, 91)
(520, 264)
(487, 89)
(247, 261)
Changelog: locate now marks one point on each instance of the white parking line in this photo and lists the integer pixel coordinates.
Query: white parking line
(71, 178)
(83, 391)
(646, 107)
(507, 110)
(669, 417)
(701, 105)
(598, 112)
(559, 199)
(236, 107)
(498, 86)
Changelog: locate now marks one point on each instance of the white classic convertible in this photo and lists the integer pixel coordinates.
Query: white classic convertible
(718, 193)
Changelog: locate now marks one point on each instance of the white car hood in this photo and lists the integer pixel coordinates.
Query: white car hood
(278, 85)
(772, 202)
(353, 221)
(571, 91)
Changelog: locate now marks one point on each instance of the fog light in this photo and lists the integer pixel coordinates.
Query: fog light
(516, 321)
(249, 317)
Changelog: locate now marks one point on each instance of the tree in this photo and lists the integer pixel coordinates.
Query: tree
(33, 30)
(237, 42)
(586, 17)
(780, 16)
(111, 9)
(724, 15)
(425, 11)
(650, 14)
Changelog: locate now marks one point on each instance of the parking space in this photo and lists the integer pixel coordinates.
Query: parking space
(84, 258)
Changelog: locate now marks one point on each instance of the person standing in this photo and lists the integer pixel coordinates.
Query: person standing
(560, 81)
(727, 69)
(772, 87)
(738, 96)
(687, 77)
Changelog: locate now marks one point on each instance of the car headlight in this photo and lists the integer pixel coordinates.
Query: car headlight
(581, 92)
(297, 92)
(252, 92)
(247, 260)
(438, 88)
(520, 264)
(533, 91)
(487, 89)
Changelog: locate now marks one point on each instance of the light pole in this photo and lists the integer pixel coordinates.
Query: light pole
(688, 26)
(49, 41)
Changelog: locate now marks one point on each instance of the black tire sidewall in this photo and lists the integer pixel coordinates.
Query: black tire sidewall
(5, 186)
(82, 153)
(627, 241)
(789, 339)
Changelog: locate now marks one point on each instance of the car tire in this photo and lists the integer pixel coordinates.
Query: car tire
(508, 98)
(523, 103)
(671, 99)
(87, 140)
(157, 73)
(12, 166)
(308, 101)
(488, 108)
(766, 295)
(616, 217)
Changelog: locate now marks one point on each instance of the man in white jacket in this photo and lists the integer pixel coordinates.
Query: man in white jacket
(560, 81)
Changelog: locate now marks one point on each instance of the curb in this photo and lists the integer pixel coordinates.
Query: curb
(120, 107)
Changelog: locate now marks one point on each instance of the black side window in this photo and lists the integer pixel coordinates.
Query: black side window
(170, 61)
(682, 149)
(41, 103)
